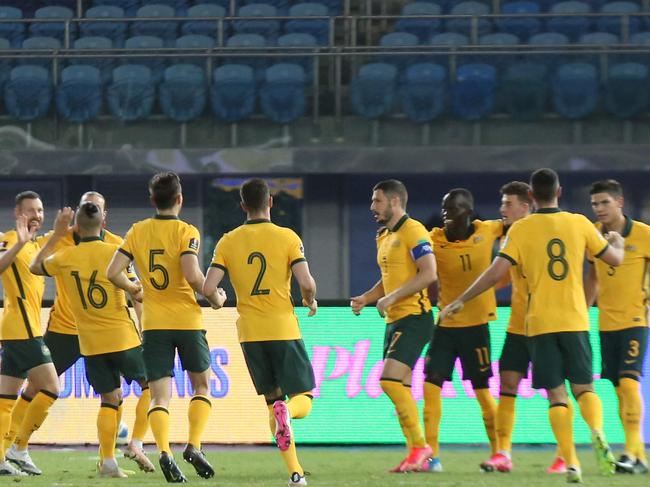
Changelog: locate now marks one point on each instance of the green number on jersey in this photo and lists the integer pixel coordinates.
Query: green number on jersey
(93, 289)
(556, 250)
(256, 291)
(153, 267)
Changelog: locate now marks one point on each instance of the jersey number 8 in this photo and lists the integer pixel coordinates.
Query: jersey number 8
(556, 251)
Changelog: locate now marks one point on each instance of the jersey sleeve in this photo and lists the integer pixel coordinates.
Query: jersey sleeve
(496, 226)
(596, 243)
(419, 243)
(8, 241)
(52, 265)
(191, 241)
(296, 249)
(219, 258)
(510, 247)
(127, 246)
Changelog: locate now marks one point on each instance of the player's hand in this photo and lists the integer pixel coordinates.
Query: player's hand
(451, 309)
(615, 240)
(136, 292)
(23, 231)
(313, 306)
(383, 304)
(221, 296)
(62, 221)
(357, 303)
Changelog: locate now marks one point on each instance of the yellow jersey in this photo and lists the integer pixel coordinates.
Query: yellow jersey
(460, 263)
(518, 301)
(397, 250)
(258, 257)
(23, 293)
(156, 245)
(550, 246)
(98, 307)
(624, 291)
(61, 318)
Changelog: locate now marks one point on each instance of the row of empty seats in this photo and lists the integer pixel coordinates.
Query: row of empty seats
(449, 7)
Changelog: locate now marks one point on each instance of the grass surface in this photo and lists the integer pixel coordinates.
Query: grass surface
(342, 466)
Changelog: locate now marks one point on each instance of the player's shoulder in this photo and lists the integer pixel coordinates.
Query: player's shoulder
(489, 226)
(9, 238)
(642, 228)
(438, 233)
(413, 225)
(112, 238)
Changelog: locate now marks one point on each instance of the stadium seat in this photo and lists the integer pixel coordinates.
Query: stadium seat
(179, 6)
(320, 28)
(424, 92)
(399, 40)
(282, 95)
(195, 42)
(499, 39)
(208, 28)
(250, 41)
(575, 90)
(626, 90)
(525, 90)
(114, 30)
(474, 91)
(5, 64)
(281, 6)
(183, 92)
(132, 94)
(295, 41)
(548, 39)
(155, 64)
(41, 44)
(571, 26)
(28, 92)
(424, 29)
(522, 27)
(104, 64)
(614, 24)
(374, 90)
(13, 32)
(53, 29)
(268, 29)
(233, 92)
(334, 7)
(450, 40)
(604, 39)
(163, 29)
(130, 7)
(79, 94)
(223, 3)
(638, 39)
(464, 25)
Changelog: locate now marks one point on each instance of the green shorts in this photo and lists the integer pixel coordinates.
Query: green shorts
(561, 356)
(623, 351)
(279, 364)
(405, 338)
(64, 349)
(21, 356)
(470, 343)
(103, 371)
(160, 348)
(515, 356)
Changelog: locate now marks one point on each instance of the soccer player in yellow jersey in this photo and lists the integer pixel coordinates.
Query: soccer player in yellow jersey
(24, 354)
(463, 249)
(622, 295)
(260, 258)
(407, 266)
(108, 338)
(165, 251)
(549, 247)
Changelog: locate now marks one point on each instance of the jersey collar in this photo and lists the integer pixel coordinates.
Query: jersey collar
(76, 238)
(257, 220)
(166, 217)
(399, 223)
(548, 210)
(627, 228)
(90, 239)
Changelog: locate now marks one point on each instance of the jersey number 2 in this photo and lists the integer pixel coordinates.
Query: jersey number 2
(256, 291)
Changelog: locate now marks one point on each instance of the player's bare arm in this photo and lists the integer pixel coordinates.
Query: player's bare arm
(615, 252)
(591, 285)
(211, 290)
(61, 228)
(24, 235)
(115, 271)
(372, 295)
(307, 285)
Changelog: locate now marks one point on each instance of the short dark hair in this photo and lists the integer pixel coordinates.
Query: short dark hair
(465, 193)
(544, 183)
(164, 188)
(610, 186)
(392, 188)
(96, 194)
(518, 189)
(88, 216)
(26, 195)
(255, 194)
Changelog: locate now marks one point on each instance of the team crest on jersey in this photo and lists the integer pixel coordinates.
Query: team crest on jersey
(302, 249)
(395, 243)
(194, 244)
(630, 248)
(478, 239)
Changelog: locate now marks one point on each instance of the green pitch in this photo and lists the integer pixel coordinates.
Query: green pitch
(333, 466)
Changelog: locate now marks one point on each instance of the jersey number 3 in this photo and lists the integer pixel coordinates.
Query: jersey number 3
(256, 291)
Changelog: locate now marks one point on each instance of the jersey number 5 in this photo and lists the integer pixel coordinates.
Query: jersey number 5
(91, 293)
(256, 291)
(153, 267)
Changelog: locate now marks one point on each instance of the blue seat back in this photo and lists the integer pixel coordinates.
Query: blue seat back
(464, 25)
(269, 29)
(294, 41)
(52, 29)
(204, 27)
(373, 91)
(474, 91)
(183, 92)
(233, 93)
(130, 7)
(132, 94)
(164, 29)
(252, 41)
(282, 95)
(614, 23)
(626, 90)
(424, 92)
(522, 27)
(525, 86)
(155, 63)
(114, 29)
(571, 26)
(423, 28)
(319, 28)
(104, 64)
(14, 32)
(399, 39)
(179, 6)
(28, 92)
(575, 90)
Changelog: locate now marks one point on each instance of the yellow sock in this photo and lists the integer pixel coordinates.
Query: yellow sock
(621, 402)
(629, 389)
(107, 430)
(159, 421)
(198, 415)
(591, 410)
(407, 410)
(432, 416)
(409, 443)
(489, 410)
(289, 456)
(7, 402)
(562, 425)
(34, 417)
(505, 421)
(141, 423)
(17, 416)
(299, 405)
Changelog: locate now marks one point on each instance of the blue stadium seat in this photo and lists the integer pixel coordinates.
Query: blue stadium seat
(155, 63)
(223, 3)
(281, 6)
(130, 7)
(320, 28)
(268, 29)
(374, 90)
(204, 27)
(424, 92)
(183, 92)
(525, 90)
(571, 26)
(604, 39)
(451, 40)
(114, 30)
(334, 7)
(132, 94)
(53, 29)
(399, 40)
(163, 29)
(474, 91)
(249, 41)
(522, 27)
(195, 42)
(639, 39)
(233, 92)
(424, 29)
(614, 24)
(104, 64)
(5, 64)
(40, 43)
(575, 90)
(626, 90)
(13, 32)
(79, 94)
(28, 92)
(464, 25)
(499, 39)
(179, 6)
(282, 95)
(306, 41)
(548, 39)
